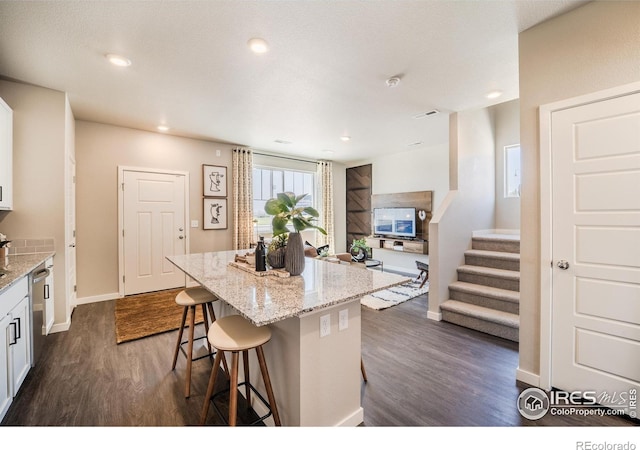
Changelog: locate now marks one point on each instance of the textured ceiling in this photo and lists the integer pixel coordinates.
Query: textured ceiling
(323, 77)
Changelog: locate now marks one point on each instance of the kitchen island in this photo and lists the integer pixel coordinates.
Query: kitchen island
(316, 379)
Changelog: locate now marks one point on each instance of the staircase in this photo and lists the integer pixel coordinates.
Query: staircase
(486, 296)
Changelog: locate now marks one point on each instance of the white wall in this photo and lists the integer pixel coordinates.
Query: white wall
(591, 48)
(421, 169)
(40, 137)
(100, 149)
(507, 132)
(470, 204)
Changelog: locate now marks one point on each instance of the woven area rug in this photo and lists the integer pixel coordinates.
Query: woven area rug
(142, 315)
(394, 296)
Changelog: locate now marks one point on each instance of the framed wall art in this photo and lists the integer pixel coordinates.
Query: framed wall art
(214, 180)
(214, 214)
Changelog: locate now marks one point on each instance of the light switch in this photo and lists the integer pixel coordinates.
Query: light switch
(194, 223)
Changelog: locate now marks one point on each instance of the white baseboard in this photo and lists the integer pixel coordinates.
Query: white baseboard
(529, 378)
(58, 327)
(97, 298)
(434, 316)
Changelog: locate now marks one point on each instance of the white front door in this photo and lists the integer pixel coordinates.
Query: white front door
(153, 228)
(595, 307)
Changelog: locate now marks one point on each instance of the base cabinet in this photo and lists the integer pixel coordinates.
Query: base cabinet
(15, 342)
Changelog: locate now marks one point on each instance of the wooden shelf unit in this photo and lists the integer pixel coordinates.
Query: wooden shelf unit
(417, 246)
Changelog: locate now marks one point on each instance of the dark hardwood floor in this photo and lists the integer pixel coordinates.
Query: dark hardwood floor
(421, 373)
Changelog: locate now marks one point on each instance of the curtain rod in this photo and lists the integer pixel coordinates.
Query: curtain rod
(287, 157)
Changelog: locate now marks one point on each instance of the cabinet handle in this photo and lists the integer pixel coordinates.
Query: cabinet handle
(46, 291)
(15, 333)
(18, 334)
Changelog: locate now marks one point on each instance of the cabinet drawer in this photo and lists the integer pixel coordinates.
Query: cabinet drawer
(12, 296)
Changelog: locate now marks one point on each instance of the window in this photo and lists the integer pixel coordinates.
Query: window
(512, 171)
(269, 182)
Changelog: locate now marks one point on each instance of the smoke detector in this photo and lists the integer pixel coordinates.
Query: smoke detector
(393, 82)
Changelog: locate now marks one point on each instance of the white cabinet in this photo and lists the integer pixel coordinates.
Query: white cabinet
(6, 156)
(15, 341)
(6, 391)
(48, 313)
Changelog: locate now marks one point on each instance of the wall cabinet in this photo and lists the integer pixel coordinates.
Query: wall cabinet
(6, 156)
(15, 341)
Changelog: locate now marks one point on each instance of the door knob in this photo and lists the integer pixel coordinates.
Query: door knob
(72, 245)
(180, 229)
(180, 237)
(564, 265)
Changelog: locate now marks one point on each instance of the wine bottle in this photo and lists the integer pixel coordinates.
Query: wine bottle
(261, 256)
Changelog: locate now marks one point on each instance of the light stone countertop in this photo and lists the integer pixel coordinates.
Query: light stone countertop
(20, 266)
(269, 299)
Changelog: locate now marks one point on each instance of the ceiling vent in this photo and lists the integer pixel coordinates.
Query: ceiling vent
(433, 112)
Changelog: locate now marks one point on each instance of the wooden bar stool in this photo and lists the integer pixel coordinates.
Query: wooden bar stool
(189, 299)
(235, 334)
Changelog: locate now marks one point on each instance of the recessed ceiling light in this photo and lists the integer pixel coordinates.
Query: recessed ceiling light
(258, 45)
(163, 128)
(494, 94)
(345, 138)
(118, 60)
(328, 152)
(414, 144)
(281, 141)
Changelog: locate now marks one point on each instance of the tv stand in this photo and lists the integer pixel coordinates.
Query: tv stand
(418, 246)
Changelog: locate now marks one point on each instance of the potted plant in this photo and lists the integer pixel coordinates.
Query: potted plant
(285, 210)
(276, 253)
(359, 249)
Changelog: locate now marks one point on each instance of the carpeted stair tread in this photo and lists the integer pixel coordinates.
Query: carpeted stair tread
(480, 312)
(490, 272)
(486, 291)
(493, 254)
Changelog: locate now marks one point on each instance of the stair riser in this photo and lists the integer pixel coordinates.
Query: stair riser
(496, 246)
(484, 261)
(487, 302)
(483, 326)
(501, 283)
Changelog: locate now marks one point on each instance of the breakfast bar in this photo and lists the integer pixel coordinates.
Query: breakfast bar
(315, 369)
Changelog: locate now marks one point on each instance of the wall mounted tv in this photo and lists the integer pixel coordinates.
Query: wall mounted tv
(399, 222)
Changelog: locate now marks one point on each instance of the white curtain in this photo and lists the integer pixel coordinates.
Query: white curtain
(325, 196)
(242, 179)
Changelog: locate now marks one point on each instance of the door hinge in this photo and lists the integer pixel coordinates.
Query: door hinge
(75, 288)
(123, 186)
(74, 233)
(123, 232)
(123, 278)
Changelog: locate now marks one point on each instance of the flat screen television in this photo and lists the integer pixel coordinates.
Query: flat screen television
(399, 222)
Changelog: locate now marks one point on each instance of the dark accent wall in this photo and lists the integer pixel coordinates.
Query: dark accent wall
(358, 203)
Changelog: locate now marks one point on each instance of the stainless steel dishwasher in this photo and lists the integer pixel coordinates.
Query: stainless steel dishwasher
(37, 293)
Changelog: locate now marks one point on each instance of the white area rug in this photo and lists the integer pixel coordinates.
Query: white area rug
(394, 296)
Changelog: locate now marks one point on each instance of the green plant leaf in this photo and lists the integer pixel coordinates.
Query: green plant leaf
(279, 225)
(273, 206)
(311, 211)
(299, 224)
(300, 197)
(287, 199)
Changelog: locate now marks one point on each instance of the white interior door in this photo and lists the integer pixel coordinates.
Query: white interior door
(595, 331)
(153, 228)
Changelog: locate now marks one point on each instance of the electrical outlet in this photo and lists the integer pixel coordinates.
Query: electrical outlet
(343, 319)
(325, 325)
(194, 224)
(217, 152)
